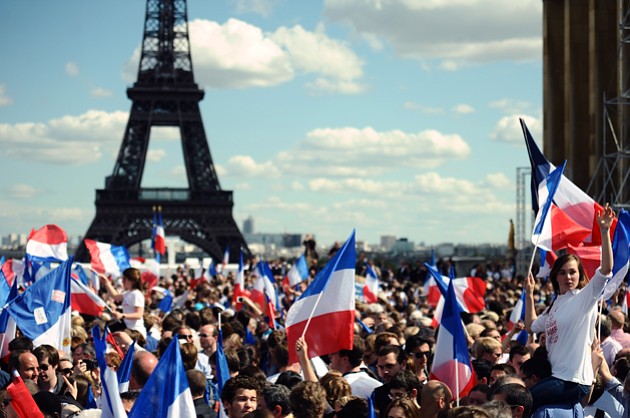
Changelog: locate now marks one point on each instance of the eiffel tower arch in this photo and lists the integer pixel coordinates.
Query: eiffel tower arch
(165, 95)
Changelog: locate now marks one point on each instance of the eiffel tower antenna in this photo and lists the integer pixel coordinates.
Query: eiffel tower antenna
(165, 94)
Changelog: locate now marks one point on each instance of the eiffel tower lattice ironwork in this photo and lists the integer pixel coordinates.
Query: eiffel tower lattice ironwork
(165, 94)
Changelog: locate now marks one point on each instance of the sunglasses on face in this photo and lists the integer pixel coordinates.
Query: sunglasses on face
(421, 354)
(185, 337)
(66, 371)
(44, 367)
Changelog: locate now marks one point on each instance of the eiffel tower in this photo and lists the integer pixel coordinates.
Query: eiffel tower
(165, 94)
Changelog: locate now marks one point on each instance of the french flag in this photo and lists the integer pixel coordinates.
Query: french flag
(166, 304)
(590, 256)
(43, 310)
(226, 257)
(370, 288)
(111, 404)
(551, 232)
(79, 273)
(451, 362)
(50, 243)
(326, 308)
(518, 314)
(84, 300)
(159, 238)
(297, 273)
(13, 270)
(22, 400)
(624, 304)
(123, 373)
(166, 394)
(107, 258)
(151, 275)
(469, 291)
(576, 211)
(264, 291)
(239, 284)
(431, 289)
(547, 258)
(621, 254)
(7, 324)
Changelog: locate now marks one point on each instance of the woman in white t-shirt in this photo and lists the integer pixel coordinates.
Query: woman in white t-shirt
(569, 322)
(132, 300)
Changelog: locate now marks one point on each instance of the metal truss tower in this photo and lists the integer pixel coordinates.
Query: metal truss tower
(521, 233)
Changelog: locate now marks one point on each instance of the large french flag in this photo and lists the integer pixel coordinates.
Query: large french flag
(574, 204)
(469, 291)
(166, 394)
(49, 243)
(621, 254)
(451, 362)
(297, 273)
(553, 229)
(84, 300)
(111, 404)
(107, 258)
(327, 307)
(370, 288)
(43, 310)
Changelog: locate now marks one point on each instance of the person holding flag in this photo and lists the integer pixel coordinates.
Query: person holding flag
(569, 322)
(132, 299)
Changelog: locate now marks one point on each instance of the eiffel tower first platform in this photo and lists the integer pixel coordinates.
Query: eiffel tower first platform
(165, 94)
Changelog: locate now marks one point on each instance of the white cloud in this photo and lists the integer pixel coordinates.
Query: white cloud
(4, 99)
(245, 166)
(454, 32)
(101, 92)
(422, 108)
(72, 69)
(261, 7)
(155, 155)
(22, 191)
(463, 109)
(508, 128)
(314, 52)
(510, 106)
(67, 140)
(237, 54)
(499, 181)
(361, 152)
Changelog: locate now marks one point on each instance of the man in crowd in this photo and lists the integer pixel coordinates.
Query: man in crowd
(348, 362)
(240, 396)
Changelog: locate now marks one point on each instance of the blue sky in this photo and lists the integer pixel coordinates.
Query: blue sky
(394, 117)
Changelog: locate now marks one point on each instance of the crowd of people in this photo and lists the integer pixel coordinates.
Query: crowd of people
(574, 363)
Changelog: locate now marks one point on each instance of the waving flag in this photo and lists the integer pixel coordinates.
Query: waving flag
(451, 362)
(35, 270)
(547, 258)
(21, 399)
(50, 243)
(43, 310)
(370, 289)
(518, 314)
(226, 256)
(547, 234)
(297, 273)
(211, 271)
(621, 254)
(123, 373)
(13, 270)
(7, 324)
(469, 291)
(79, 273)
(263, 287)
(159, 238)
(221, 366)
(111, 404)
(577, 210)
(590, 256)
(326, 308)
(239, 284)
(166, 393)
(106, 258)
(166, 304)
(431, 289)
(84, 301)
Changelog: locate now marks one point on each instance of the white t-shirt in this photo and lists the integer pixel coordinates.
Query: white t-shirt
(361, 383)
(131, 300)
(569, 328)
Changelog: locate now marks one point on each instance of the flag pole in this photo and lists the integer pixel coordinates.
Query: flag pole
(457, 380)
(310, 316)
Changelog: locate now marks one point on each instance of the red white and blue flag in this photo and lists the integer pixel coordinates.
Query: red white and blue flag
(13, 270)
(518, 314)
(469, 291)
(431, 289)
(451, 362)
(621, 254)
(239, 284)
(43, 310)
(370, 288)
(326, 308)
(264, 291)
(7, 324)
(84, 300)
(49, 243)
(297, 273)
(159, 238)
(107, 258)
(547, 258)
(111, 404)
(575, 212)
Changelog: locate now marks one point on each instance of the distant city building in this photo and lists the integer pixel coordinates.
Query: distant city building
(14, 240)
(387, 242)
(248, 225)
(402, 245)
